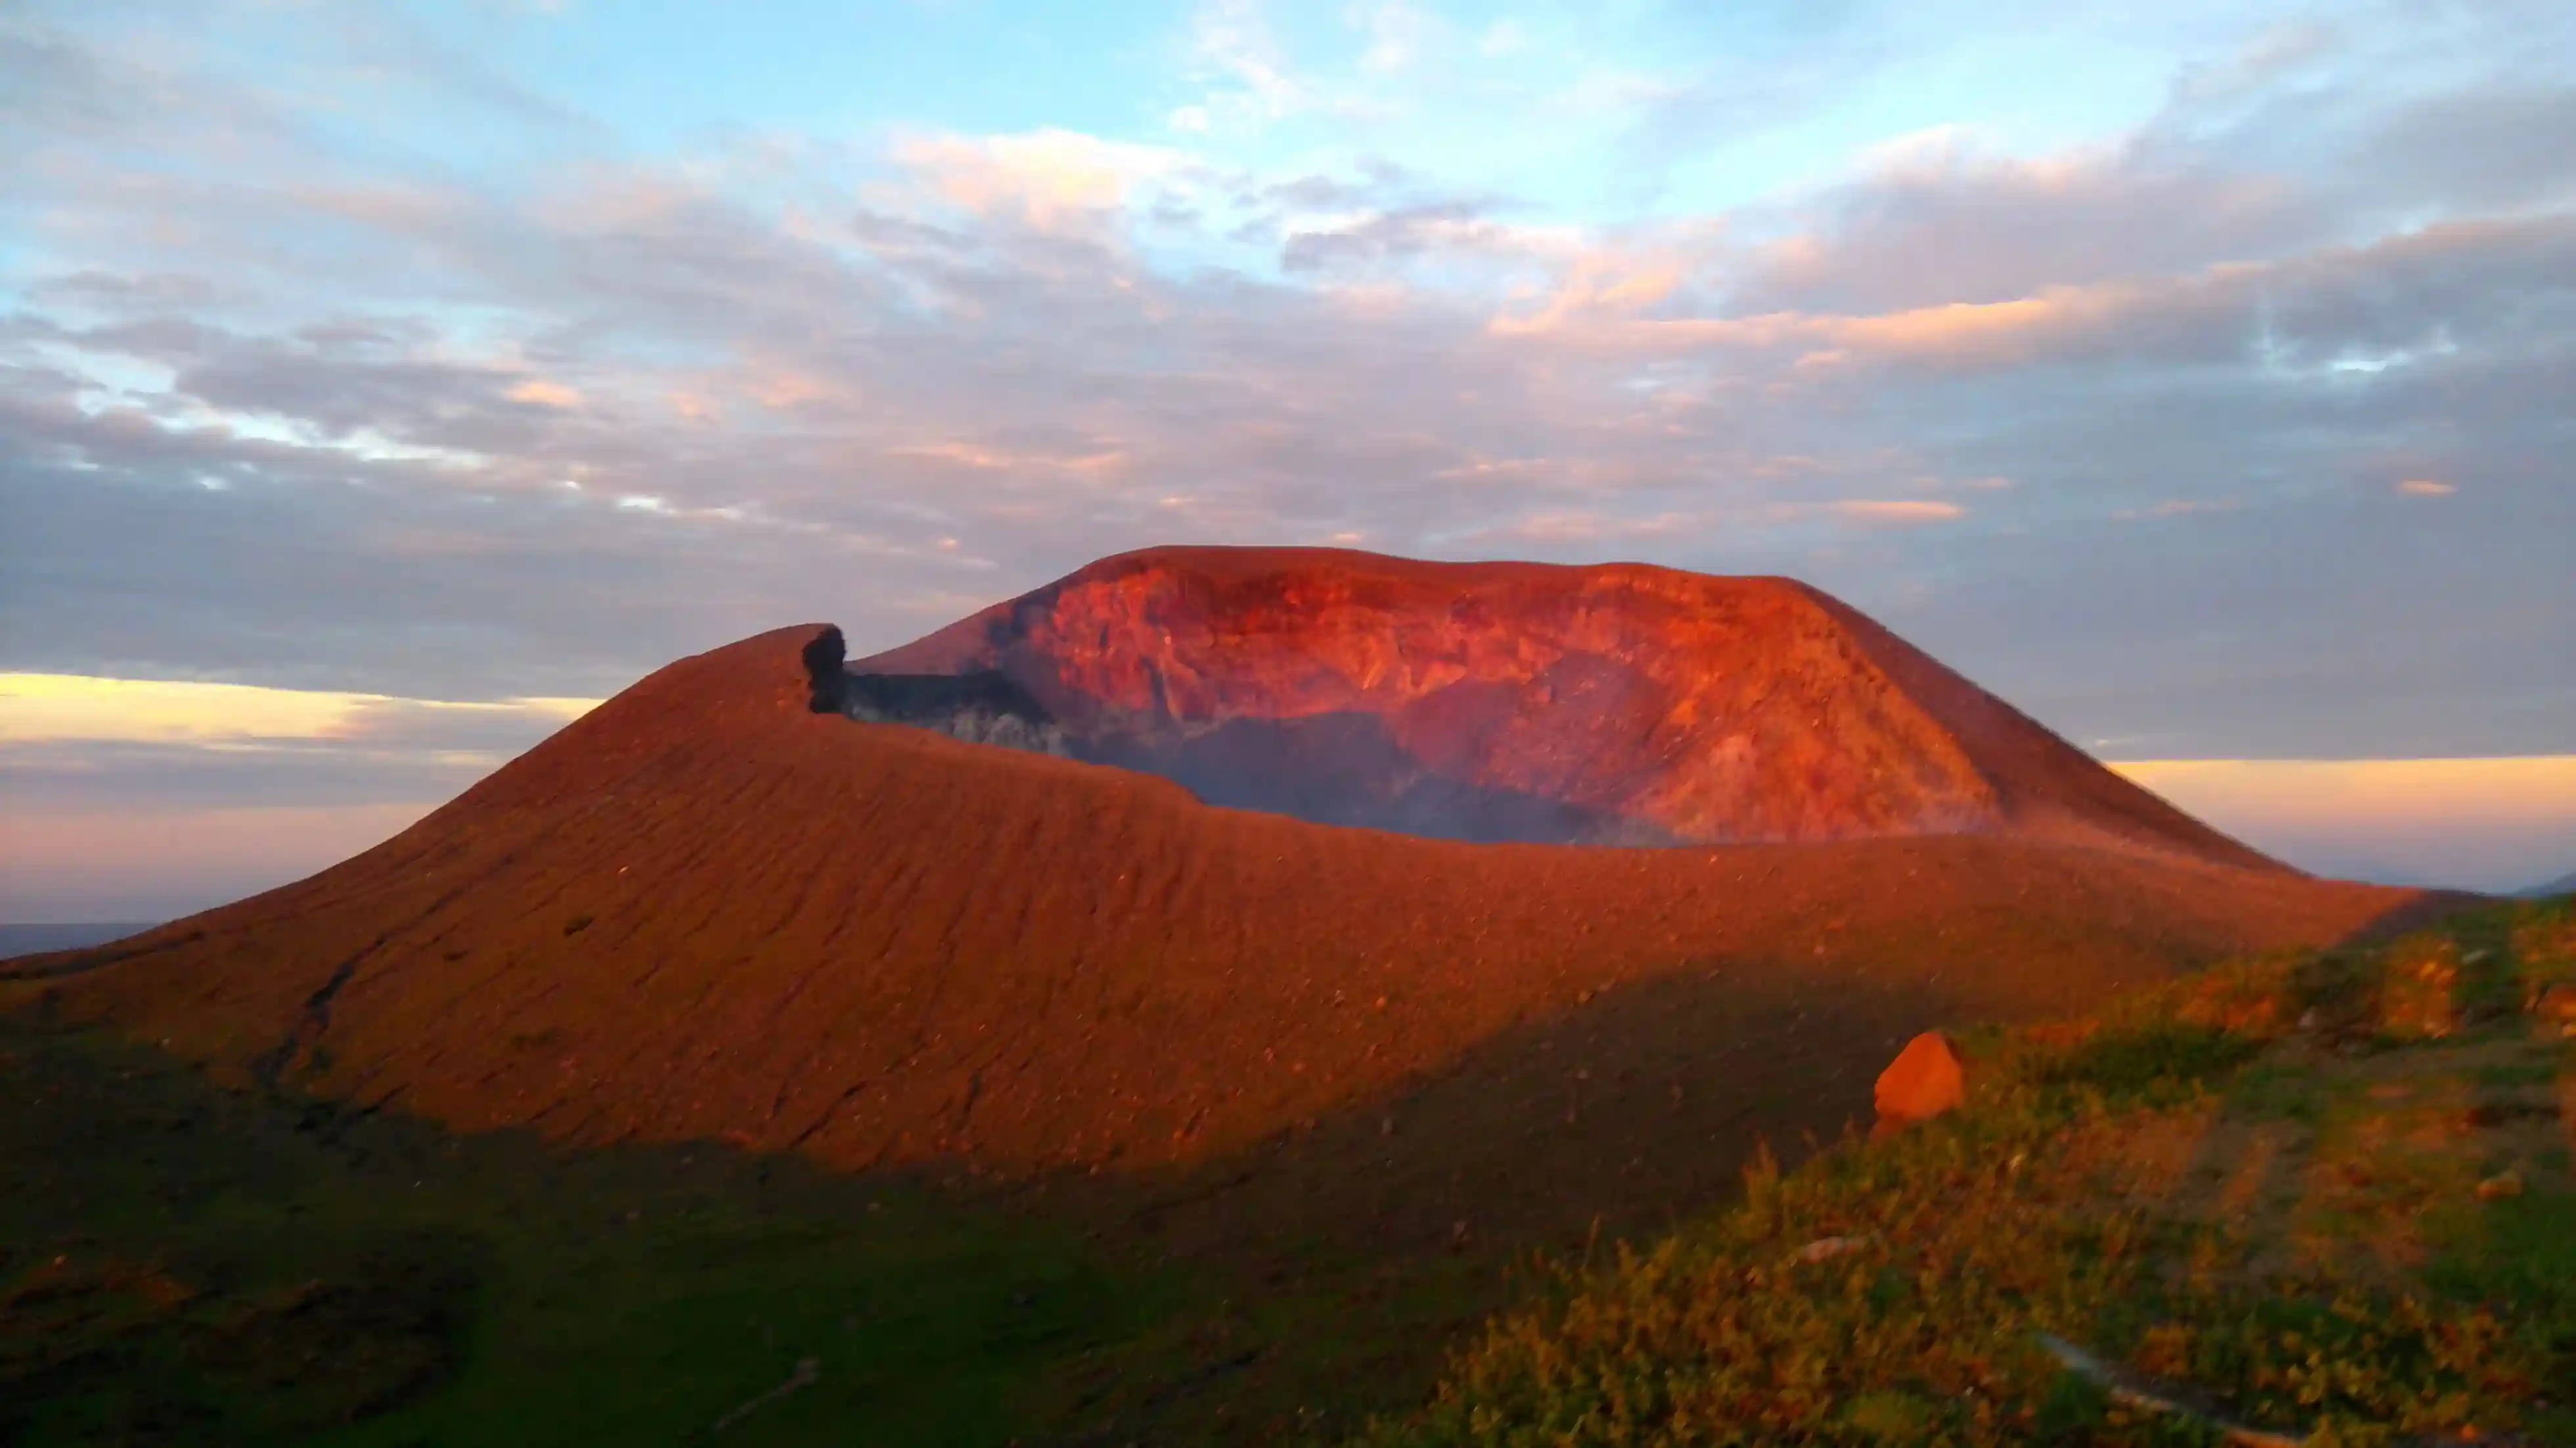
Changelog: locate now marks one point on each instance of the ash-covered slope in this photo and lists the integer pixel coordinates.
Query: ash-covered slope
(707, 910)
(1513, 701)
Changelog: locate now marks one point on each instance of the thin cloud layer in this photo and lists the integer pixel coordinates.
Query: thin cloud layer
(54, 708)
(2206, 388)
(2494, 824)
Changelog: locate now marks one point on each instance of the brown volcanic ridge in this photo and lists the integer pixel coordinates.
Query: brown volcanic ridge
(713, 908)
(1619, 704)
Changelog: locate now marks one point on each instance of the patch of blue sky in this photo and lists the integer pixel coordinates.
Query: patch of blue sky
(668, 75)
(2064, 93)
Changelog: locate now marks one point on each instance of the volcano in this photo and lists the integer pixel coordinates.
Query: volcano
(714, 907)
(1511, 701)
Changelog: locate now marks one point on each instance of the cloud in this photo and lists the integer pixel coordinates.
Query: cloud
(1898, 510)
(2487, 824)
(145, 798)
(2389, 302)
(301, 384)
(1450, 229)
(1250, 80)
(538, 392)
(1398, 35)
(1044, 179)
(393, 414)
(59, 708)
(2179, 508)
(1940, 218)
(158, 863)
(2425, 488)
(142, 798)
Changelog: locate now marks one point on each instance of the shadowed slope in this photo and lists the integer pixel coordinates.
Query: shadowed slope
(707, 910)
(1617, 703)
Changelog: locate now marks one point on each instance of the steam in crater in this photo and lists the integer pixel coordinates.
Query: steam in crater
(1342, 768)
(983, 708)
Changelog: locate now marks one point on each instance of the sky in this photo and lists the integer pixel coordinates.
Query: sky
(379, 382)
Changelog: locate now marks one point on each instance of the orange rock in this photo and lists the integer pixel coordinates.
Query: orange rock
(1923, 1081)
(2556, 1008)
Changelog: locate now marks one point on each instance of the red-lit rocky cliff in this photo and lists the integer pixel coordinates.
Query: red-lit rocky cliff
(1616, 704)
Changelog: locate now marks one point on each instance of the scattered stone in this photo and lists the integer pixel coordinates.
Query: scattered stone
(809, 1371)
(2130, 1392)
(2557, 1007)
(1925, 1080)
(2500, 1186)
(1827, 1247)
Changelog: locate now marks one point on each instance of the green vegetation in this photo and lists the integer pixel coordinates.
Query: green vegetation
(186, 1265)
(2325, 1197)
(182, 1265)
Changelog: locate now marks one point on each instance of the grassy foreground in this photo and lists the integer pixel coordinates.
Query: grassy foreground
(186, 1265)
(2323, 1199)
(181, 1265)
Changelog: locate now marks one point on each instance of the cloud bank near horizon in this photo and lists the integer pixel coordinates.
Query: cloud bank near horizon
(2197, 381)
(147, 800)
(141, 855)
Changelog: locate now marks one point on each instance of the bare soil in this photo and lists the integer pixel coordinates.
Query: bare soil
(707, 912)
